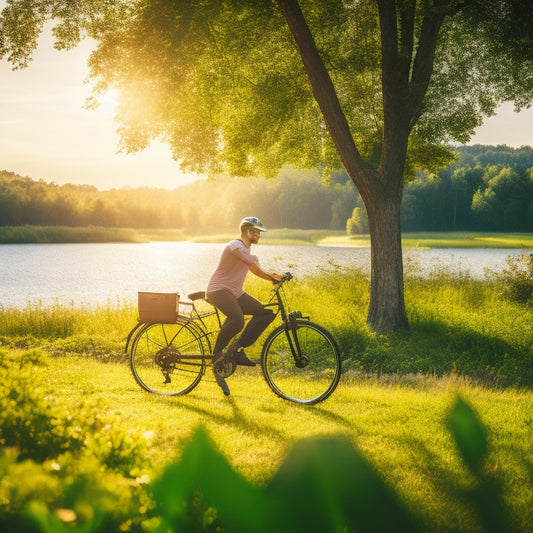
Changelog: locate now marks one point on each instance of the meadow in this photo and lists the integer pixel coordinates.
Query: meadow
(61, 234)
(73, 417)
(423, 240)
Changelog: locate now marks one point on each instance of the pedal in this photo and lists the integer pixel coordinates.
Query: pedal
(224, 366)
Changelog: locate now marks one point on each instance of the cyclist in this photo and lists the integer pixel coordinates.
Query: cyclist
(226, 293)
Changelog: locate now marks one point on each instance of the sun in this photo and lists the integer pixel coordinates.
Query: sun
(107, 102)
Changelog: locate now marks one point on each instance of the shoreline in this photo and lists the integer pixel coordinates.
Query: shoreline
(326, 238)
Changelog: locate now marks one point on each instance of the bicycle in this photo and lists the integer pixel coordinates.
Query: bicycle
(300, 360)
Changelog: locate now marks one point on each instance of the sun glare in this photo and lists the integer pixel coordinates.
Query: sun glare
(108, 102)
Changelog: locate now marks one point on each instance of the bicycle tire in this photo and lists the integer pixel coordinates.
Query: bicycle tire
(162, 358)
(311, 383)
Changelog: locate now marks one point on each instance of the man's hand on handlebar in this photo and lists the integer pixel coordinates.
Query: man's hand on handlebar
(280, 278)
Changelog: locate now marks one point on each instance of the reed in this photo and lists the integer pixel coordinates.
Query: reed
(65, 234)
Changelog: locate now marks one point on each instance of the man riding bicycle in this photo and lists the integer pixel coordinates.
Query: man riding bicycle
(226, 293)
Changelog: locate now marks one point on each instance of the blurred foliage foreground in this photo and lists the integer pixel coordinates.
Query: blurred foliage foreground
(82, 472)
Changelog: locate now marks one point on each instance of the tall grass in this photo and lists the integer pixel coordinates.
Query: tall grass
(458, 325)
(64, 234)
(90, 331)
(85, 234)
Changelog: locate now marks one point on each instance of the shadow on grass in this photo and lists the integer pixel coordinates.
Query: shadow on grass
(437, 348)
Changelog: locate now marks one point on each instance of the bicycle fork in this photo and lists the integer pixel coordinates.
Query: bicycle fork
(301, 360)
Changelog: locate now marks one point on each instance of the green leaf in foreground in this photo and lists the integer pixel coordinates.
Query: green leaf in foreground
(486, 495)
(323, 485)
(327, 485)
(469, 434)
(239, 504)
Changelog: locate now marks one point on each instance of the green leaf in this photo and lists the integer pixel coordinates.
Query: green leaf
(327, 485)
(240, 505)
(469, 434)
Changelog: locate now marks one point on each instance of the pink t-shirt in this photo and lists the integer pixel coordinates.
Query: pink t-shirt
(232, 268)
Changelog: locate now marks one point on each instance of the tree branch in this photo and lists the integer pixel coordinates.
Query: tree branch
(423, 62)
(324, 93)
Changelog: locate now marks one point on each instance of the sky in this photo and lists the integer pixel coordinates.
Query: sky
(45, 133)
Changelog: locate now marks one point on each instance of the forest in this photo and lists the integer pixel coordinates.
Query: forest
(487, 188)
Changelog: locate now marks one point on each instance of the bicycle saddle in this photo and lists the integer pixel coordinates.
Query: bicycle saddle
(199, 295)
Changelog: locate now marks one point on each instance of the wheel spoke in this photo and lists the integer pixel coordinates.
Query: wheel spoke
(156, 358)
(309, 377)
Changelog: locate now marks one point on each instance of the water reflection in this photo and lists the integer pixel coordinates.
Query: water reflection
(114, 273)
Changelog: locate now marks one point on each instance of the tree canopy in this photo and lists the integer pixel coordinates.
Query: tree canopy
(380, 87)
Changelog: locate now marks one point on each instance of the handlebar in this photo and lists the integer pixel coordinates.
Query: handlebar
(286, 277)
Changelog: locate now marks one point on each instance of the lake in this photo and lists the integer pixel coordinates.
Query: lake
(110, 273)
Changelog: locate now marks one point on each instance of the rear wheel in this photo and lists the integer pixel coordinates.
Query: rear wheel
(309, 377)
(167, 358)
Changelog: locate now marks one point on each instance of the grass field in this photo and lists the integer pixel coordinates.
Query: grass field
(392, 402)
(397, 423)
(441, 240)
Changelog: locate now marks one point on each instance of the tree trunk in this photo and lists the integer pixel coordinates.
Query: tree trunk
(386, 310)
(381, 191)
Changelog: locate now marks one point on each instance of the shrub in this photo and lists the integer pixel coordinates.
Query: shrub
(83, 466)
(42, 427)
(358, 223)
(517, 280)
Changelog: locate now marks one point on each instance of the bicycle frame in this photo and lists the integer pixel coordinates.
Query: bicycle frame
(289, 321)
(197, 321)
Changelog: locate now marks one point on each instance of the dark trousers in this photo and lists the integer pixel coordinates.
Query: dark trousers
(234, 309)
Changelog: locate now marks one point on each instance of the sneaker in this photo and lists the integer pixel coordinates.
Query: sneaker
(242, 359)
(224, 365)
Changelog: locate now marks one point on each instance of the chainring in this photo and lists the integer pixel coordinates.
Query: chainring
(225, 366)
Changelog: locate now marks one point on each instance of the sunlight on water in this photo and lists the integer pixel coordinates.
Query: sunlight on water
(73, 274)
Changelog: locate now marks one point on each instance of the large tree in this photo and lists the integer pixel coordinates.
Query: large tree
(377, 86)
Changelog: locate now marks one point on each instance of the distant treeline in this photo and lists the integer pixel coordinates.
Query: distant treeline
(294, 200)
(487, 189)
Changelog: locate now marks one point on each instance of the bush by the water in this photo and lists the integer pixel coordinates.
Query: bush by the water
(517, 279)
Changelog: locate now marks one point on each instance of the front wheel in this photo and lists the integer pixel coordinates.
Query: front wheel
(167, 359)
(308, 375)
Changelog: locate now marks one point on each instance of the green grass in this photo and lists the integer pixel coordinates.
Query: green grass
(457, 325)
(397, 423)
(65, 234)
(391, 403)
(60, 234)
(277, 236)
(442, 240)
